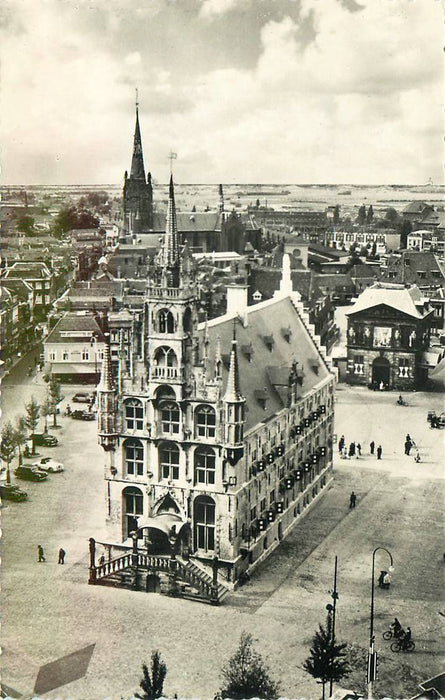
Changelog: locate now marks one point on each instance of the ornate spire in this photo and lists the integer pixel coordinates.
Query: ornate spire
(106, 376)
(233, 391)
(137, 164)
(169, 253)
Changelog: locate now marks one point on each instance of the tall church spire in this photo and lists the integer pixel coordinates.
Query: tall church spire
(137, 164)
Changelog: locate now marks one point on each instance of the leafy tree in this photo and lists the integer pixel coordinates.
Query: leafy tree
(246, 675)
(25, 224)
(370, 214)
(32, 418)
(336, 214)
(20, 435)
(326, 660)
(55, 397)
(46, 410)
(374, 250)
(391, 215)
(362, 215)
(69, 218)
(153, 681)
(7, 447)
(404, 229)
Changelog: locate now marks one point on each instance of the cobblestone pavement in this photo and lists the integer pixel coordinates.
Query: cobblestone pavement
(50, 612)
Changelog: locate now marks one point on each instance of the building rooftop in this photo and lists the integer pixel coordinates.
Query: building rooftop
(408, 300)
(267, 365)
(75, 327)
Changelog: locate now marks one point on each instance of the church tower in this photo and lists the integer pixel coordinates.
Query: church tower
(138, 190)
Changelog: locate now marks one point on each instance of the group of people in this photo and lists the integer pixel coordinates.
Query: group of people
(399, 633)
(355, 449)
(41, 554)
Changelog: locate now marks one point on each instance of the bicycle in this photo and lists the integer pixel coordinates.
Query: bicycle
(399, 645)
(389, 634)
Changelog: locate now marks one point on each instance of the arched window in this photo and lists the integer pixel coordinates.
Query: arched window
(134, 414)
(166, 357)
(205, 421)
(134, 457)
(133, 505)
(187, 323)
(204, 510)
(166, 321)
(169, 460)
(170, 417)
(204, 461)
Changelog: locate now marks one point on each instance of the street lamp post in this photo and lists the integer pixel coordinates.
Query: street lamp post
(372, 654)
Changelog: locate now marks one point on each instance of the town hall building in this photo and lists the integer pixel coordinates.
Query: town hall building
(218, 440)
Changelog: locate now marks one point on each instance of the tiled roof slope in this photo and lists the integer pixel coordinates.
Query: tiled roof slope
(410, 263)
(268, 319)
(190, 221)
(407, 300)
(73, 322)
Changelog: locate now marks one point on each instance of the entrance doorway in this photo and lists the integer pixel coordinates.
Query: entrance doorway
(153, 583)
(381, 371)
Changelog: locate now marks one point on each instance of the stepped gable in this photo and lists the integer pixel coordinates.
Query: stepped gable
(268, 359)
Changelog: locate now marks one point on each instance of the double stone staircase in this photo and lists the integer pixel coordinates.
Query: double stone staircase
(176, 576)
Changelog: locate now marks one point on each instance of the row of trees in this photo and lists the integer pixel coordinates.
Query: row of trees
(15, 436)
(245, 675)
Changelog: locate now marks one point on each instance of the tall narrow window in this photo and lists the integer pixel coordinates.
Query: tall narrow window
(204, 523)
(205, 421)
(133, 505)
(204, 460)
(170, 417)
(134, 414)
(134, 457)
(166, 323)
(169, 460)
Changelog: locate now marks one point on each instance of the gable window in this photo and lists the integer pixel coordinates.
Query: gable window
(205, 421)
(134, 415)
(169, 460)
(170, 417)
(65, 355)
(204, 461)
(134, 457)
(85, 354)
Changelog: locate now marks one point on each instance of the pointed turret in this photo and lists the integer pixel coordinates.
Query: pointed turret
(233, 391)
(107, 404)
(169, 254)
(137, 163)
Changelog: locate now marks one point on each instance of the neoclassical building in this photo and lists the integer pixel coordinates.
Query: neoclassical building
(388, 333)
(219, 439)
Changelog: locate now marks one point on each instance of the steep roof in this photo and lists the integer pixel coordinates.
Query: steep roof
(270, 357)
(407, 300)
(410, 263)
(190, 221)
(84, 325)
(416, 207)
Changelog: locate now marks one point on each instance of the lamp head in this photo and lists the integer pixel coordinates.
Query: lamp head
(391, 569)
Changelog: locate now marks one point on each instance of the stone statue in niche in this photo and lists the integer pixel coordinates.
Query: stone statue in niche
(397, 336)
(351, 333)
(411, 339)
(367, 333)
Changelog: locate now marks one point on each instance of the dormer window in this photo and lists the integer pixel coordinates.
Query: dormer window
(247, 351)
(261, 396)
(287, 334)
(269, 342)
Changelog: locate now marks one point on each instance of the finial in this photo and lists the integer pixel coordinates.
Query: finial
(137, 98)
(171, 157)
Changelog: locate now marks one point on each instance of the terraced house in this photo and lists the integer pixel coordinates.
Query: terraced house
(218, 440)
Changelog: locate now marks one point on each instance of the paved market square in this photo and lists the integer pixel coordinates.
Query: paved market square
(50, 612)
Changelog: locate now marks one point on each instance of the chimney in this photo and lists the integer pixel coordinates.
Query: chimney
(237, 300)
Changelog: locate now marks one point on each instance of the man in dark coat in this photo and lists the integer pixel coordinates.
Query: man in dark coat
(40, 553)
(371, 447)
(352, 500)
(61, 556)
(379, 452)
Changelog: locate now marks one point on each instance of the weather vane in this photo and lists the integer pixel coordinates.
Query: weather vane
(171, 157)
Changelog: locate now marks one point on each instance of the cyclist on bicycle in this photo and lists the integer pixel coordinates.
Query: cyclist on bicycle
(406, 638)
(396, 628)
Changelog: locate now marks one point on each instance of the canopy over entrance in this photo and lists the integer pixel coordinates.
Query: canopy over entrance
(164, 522)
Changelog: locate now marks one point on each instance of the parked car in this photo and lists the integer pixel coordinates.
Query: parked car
(82, 415)
(12, 493)
(47, 464)
(44, 439)
(82, 397)
(30, 472)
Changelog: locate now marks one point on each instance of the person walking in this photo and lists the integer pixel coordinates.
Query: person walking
(359, 450)
(417, 457)
(351, 452)
(379, 452)
(352, 500)
(371, 447)
(408, 445)
(41, 553)
(341, 443)
(61, 556)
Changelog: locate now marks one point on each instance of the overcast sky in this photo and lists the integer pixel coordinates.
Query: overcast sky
(283, 91)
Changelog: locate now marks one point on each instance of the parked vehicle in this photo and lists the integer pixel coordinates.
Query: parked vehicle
(436, 421)
(47, 464)
(30, 473)
(82, 397)
(82, 415)
(44, 439)
(12, 493)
